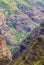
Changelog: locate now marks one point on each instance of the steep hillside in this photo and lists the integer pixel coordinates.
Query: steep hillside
(22, 20)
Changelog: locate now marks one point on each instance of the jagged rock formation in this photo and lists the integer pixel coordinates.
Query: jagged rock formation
(33, 55)
(5, 54)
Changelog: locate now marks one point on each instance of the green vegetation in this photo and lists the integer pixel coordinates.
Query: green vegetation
(23, 2)
(7, 4)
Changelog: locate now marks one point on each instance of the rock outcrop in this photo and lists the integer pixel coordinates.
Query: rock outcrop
(5, 54)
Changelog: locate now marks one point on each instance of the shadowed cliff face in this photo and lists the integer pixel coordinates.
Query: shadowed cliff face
(33, 55)
(5, 54)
